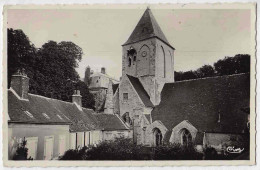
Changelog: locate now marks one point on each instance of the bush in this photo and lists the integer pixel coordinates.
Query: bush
(22, 151)
(176, 152)
(74, 154)
(119, 149)
(125, 149)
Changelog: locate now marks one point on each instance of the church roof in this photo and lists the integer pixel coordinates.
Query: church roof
(147, 27)
(110, 122)
(209, 104)
(140, 91)
(115, 87)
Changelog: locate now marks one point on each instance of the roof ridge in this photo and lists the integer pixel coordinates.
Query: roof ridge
(49, 98)
(213, 77)
(143, 89)
(60, 101)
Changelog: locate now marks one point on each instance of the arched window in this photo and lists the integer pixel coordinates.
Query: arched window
(127, 119)
(164, 63)
(186, 138)
(157, 137)
(129, 62)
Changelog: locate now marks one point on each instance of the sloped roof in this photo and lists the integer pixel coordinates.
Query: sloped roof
(38, 107)
(140, 91)
(110, 122)
(203, 102)
(58, 112)
(115, 87)
(147, 27)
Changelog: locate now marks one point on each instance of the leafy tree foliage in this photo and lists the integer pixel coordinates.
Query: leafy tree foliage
(233, 65)
(51, 68)
(21, 53)
(22, 151)
(205, 71)
(240, 63)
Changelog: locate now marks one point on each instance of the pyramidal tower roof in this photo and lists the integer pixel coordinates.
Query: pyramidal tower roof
(147, 27)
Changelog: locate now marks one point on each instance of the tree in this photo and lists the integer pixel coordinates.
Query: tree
(185, 75)
(21, 53)
(240, 63)
(51, 68)
(87, 76)
(205, 71)
(87, 98)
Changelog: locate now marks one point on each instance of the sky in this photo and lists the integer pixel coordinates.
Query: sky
(200, 36)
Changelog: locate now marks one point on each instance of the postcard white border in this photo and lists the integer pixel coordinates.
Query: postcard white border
(251, 6)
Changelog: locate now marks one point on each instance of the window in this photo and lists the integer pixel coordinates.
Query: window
(31, 144)
(157, 137)
(129, 62)
(28, 114)
(186, 138)
(125, 96)
(59, 117)
(127, 119)
(62, 144)
(48, 147)
(108, 136)
(73, 141)
(45, 115)
(134, 58)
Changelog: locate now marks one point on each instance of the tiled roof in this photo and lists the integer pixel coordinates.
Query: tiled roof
(147, 27)
(43, 110)
(115, 87)
(35, 109)
(110, 122)
(210, 104)
(140, 91)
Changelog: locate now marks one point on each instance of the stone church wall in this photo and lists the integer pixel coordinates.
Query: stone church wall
(133, 102)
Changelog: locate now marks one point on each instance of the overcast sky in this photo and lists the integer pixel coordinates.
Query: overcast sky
(199, 36)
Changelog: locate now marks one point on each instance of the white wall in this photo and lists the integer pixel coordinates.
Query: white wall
(37, 134)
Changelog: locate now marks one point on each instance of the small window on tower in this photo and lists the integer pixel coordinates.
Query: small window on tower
(129, 62)
(134, 58)
(125, 96)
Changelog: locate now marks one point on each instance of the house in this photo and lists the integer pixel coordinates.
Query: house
(52, 126)
(205, 112)
(37, 119)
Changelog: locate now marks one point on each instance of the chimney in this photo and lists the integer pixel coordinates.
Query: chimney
(76, 98)
(20, 84)
(103, 70)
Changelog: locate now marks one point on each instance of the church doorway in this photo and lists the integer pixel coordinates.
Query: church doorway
(157, 137)
(186, 138)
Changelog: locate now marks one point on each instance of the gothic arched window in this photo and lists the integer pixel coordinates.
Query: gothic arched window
(127, 119)
(158, 137)
(186, 138)
(129, 62)
(164, 63)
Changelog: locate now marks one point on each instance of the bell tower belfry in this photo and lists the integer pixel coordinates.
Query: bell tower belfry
(148, 56)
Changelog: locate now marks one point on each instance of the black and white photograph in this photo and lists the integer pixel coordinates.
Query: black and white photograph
(118, 82)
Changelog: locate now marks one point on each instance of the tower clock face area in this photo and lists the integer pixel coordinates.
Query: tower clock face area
(144, 53)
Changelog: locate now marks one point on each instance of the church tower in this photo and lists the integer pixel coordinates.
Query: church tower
(148, 56)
